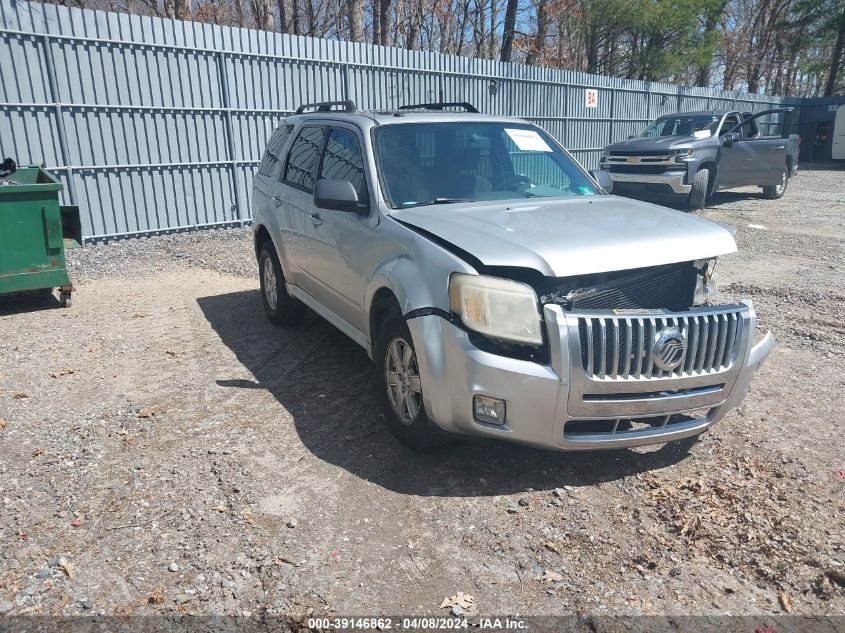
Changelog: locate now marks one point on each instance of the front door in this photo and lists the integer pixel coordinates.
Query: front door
(340, 238)
(735, 159)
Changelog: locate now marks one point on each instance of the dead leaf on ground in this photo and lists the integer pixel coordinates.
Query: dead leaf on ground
(140, 315)
(66, 567)
(149, 412)
(39, 451)
(170, 352)
(65, 371)
(551, 576)
(460, 604)
(156, 596)
(3, 423)
(20, 396)
(248, 518)
(785, 601)
(552, 546)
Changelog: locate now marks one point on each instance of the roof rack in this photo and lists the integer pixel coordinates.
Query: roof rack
(468, 107)
(326, 106)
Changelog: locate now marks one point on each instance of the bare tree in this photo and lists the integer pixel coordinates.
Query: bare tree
(508, 32)
(355, 19)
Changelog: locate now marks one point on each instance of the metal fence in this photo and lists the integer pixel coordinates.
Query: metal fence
(158, 125)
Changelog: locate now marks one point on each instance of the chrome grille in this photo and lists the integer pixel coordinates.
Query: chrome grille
(621, 347)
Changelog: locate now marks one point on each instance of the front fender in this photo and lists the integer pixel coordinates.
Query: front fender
(418, 276)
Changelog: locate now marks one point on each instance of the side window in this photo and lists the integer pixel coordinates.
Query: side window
(304, 157)
(270, 163)
(730, 123)
(749, 129)
(343, 161)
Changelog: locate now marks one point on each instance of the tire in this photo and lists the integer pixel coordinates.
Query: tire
(280, 307)
(405, 414)
(774, 192)
(700, 185)
(65, 298)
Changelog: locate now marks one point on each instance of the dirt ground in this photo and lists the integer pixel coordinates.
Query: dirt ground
(165, 449)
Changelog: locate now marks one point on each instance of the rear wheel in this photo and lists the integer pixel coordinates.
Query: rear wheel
(773, 192)
(700, 186)
(281, 308)
(399, 374)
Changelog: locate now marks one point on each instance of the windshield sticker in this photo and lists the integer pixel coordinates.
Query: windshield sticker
(702, 134)
(586, 191)
(528, 140)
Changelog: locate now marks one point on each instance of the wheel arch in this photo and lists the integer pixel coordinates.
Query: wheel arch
(260, 237)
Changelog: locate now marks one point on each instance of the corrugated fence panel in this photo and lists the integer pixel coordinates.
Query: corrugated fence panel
(157, 125)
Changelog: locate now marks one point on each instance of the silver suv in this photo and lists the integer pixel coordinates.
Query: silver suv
(499, 289)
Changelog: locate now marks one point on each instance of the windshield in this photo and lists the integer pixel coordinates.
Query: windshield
(698, 125)
(442, 163)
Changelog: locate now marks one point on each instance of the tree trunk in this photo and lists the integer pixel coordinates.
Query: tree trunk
(263, 13)
(536, 52)
(508, 32)
(702, 77)
(284, 17)
(355, 19)
(836, 60)
(296, 17)
(384, 20)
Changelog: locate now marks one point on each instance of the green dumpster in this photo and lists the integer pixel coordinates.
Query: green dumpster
(32, 245)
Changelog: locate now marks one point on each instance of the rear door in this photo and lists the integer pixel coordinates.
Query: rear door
(297, 203)
(767, 133)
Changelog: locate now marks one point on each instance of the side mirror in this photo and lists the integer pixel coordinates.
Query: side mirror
(602, 177)
(336, 195)
(731, 138)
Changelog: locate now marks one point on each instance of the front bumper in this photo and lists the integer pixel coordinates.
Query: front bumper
(564, 407)
(673, 180)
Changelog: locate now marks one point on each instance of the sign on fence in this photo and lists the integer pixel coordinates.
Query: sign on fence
(591, 98)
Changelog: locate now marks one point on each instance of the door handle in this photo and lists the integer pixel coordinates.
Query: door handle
(276, 201)
(775, 149)
(315, 219)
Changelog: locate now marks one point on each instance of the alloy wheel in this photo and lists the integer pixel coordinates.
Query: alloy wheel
(402, 376)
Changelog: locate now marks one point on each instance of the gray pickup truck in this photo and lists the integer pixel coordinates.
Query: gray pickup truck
(697, 153)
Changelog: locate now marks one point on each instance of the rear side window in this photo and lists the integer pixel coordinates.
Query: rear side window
(304, 157)
(272, 155)
(343, 161)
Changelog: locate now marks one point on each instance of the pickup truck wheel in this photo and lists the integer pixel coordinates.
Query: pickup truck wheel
(773, 192)
(405, 414)
(698, 194)
(281, 308)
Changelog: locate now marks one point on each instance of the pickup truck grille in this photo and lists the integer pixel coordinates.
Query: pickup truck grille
(621, 347)
(642, 168)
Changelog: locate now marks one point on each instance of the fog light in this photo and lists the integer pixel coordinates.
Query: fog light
(490, 410)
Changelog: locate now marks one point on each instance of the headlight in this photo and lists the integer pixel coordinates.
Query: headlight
(706, 283)
(682, 155)
(498, 308)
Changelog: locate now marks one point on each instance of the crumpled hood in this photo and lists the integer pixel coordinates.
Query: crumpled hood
(562, 238)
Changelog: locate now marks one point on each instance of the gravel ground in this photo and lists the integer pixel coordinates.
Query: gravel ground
(167, 451)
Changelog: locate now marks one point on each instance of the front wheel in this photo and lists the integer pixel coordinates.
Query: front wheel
(399, 373)
(698, 194)
(281, 308)
(773, 192)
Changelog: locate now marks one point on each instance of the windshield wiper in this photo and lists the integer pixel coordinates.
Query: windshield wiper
(447, 200)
